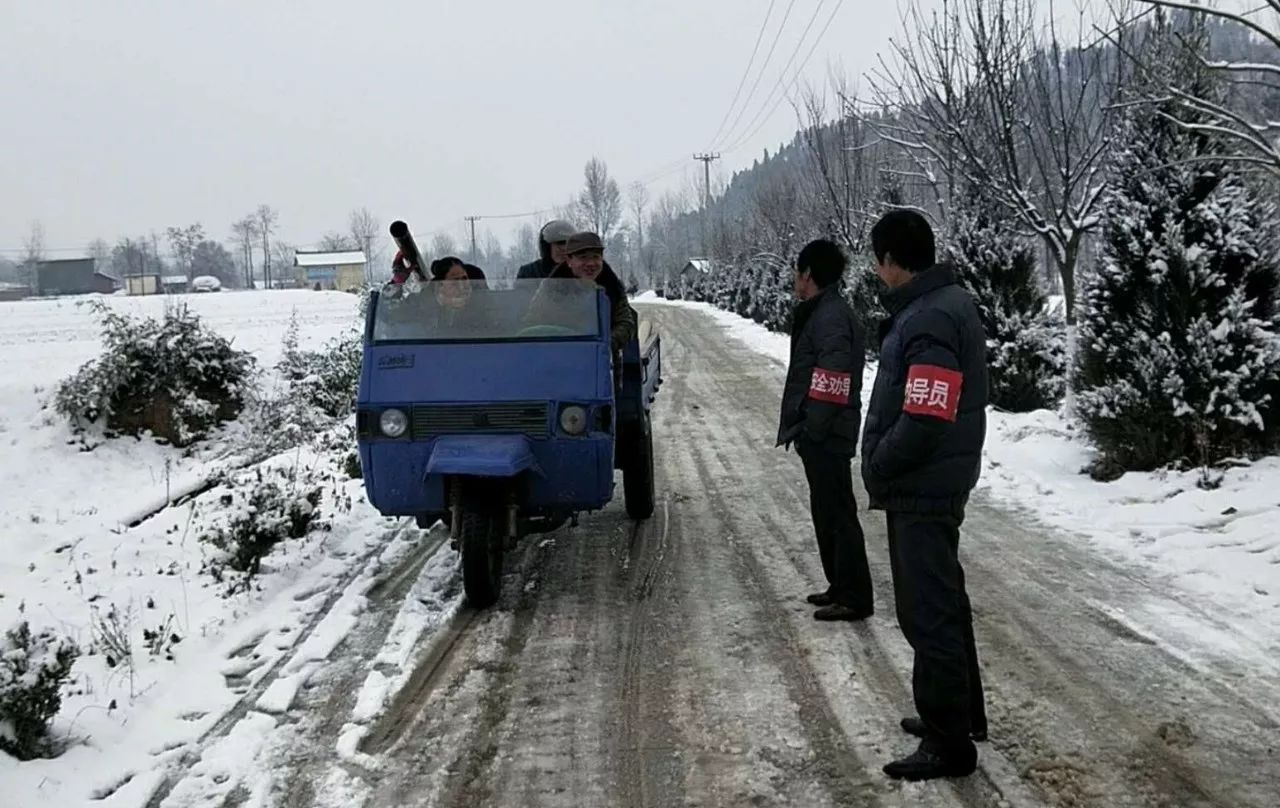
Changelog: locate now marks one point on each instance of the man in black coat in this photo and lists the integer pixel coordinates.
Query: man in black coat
(821, 402)
(552, 239)
(921, 455)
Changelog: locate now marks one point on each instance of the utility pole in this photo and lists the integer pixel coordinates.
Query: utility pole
(706, 160)
(473, 220)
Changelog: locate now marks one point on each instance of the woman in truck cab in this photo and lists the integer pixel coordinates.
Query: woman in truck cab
(454, 284)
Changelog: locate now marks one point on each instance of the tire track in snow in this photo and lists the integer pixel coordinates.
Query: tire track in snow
(246, 705)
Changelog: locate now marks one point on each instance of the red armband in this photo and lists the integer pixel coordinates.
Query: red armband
(932, 391)
(830, 386)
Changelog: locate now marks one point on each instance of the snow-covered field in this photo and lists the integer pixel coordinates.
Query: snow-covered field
(72, 563)
(1219, 545)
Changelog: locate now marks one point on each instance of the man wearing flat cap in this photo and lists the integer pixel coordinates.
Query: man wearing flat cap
(584, 259)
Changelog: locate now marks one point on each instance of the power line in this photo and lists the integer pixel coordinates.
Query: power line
(671, 168)
(799, 71)
(763, 67)
(514, 215)
(743, 81)
(782, 76)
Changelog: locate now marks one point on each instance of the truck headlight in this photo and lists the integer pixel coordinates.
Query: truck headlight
(573, 420)
(393, 423)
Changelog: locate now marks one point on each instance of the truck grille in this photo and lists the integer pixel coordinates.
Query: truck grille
(507, 419)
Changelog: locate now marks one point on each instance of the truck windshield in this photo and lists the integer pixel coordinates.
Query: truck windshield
(480, 311)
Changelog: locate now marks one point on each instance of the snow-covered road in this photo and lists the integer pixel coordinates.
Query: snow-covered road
(675, 663)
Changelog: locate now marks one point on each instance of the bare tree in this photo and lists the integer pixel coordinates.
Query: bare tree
(670, 233)
(245, 233)
(33, 247)
(100, 252)
(337, 242)
(129, 259)
(364, 227)
(570, 211)
(1254, 141)
(639, 200)
(838, 168)
(442, 244)
(183, 241)
(282, 256)
(491, 247)
(776, 206)
(600, 199)
(977, 97)
(266, 218)
(525, 247)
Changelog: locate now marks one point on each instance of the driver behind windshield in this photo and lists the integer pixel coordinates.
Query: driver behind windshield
(584, 260)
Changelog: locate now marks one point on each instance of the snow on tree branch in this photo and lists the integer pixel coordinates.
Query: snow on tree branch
(1254, 141)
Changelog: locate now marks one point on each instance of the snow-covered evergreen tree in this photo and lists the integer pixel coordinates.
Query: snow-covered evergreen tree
(1178, 358)
(1026, 349)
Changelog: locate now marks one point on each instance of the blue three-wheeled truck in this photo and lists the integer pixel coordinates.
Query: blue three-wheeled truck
(501, 411)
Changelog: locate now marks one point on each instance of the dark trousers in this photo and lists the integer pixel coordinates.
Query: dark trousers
(835, 520)
(934, 613)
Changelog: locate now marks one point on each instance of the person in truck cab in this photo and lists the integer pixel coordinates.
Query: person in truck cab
(584, 260)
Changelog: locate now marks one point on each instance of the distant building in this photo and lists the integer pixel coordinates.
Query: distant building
(330, 270)
(73, 276)
(173, 284)
(14, 291)
(696, 267)
(143, 284)
(689, 274)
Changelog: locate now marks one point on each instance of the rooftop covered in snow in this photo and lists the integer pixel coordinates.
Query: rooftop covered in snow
(328, 259)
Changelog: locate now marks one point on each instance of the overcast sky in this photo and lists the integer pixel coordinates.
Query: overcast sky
(125, 117)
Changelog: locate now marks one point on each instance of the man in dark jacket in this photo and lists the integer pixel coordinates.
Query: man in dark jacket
(551, 242)
(584, 260)
(821, 402)
(921, 454)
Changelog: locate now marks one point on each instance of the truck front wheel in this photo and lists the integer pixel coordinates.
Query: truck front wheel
(481, 541)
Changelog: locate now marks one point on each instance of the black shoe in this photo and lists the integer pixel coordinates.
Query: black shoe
(821, 598)
(914, 726)
(838, 611)
(927, 763)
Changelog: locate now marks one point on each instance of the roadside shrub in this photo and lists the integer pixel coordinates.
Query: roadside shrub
(172, 377)
(1029, 369)
(1178, 352)
(33, 668)
(351, 465)
(1026, 348)
(326, 379)
(256, 512)
(316, 389)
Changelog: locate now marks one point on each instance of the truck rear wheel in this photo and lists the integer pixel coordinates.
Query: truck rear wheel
(637, 474)
(481, 542)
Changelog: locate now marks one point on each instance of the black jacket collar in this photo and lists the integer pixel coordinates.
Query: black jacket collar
(806, 308)
(935, 277)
